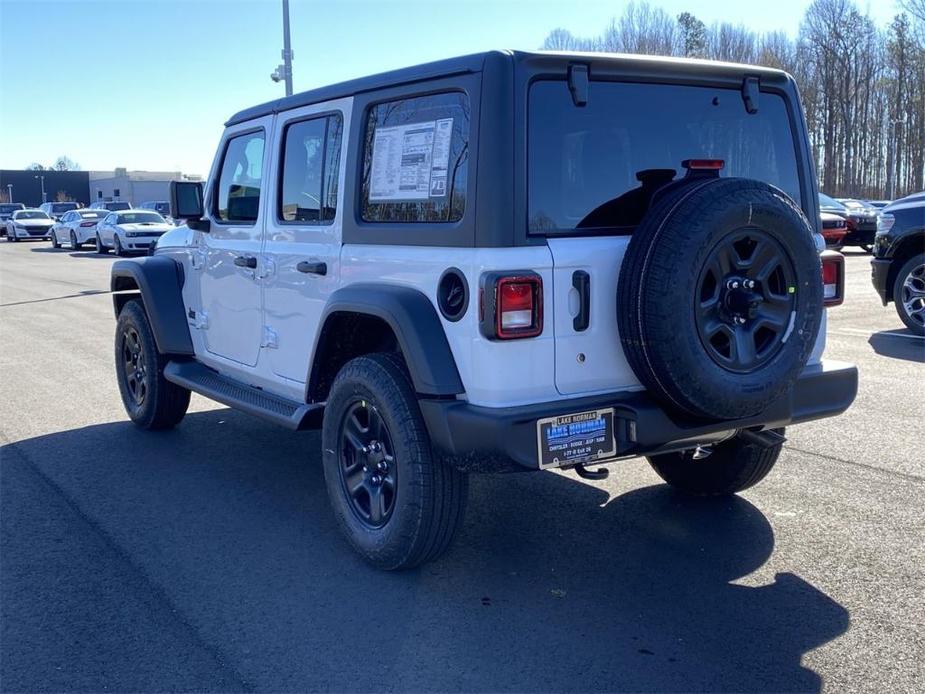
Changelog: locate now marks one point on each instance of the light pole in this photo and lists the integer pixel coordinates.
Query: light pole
(42, 178)
(9, 192)
(284, 71)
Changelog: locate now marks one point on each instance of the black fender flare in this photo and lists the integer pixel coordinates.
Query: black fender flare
(417, 328)
(159, 280)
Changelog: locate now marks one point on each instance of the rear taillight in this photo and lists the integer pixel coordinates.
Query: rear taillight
(512, 305)
(833, 278)
(703, 164)
(88, 224)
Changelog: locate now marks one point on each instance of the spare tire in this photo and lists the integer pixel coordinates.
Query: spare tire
(720, 297)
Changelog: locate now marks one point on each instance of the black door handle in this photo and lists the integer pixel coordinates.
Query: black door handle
(581, 281)
(247, 261)
(315, 267)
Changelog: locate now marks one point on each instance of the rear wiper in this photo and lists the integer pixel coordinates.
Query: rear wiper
(750, 91)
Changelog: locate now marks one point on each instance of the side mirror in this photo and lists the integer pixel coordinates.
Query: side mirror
(186, 202)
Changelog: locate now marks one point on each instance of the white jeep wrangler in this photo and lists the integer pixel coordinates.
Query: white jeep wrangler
(506, 261)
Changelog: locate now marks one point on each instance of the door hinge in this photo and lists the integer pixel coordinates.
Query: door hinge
(270, 338)
(198, 319)
(267, 268)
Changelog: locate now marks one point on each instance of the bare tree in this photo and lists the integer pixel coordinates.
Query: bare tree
(64, 163)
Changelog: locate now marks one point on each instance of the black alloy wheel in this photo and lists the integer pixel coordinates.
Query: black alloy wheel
(368, 471)
(746, 299)
(134, 366)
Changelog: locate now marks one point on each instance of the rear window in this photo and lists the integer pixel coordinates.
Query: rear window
(115, 206)
(595, 166)
(58, 207)
(92, 214)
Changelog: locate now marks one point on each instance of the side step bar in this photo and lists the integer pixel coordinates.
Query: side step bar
(203, 380)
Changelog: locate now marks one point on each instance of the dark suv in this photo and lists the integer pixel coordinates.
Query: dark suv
(898, 267)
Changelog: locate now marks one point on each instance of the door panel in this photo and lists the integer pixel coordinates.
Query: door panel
(603, 365)
(230, 292)
(303, 232)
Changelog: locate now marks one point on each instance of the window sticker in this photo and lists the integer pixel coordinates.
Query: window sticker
(410, 161)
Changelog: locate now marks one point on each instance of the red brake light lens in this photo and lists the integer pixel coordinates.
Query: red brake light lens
(703, 164)
(88, 224)
(512, 305)
(833, 278)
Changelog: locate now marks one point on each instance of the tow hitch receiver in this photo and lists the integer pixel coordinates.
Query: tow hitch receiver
(601, 473)
(765, 439)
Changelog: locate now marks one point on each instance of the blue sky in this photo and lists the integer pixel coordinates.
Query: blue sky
(147, 85)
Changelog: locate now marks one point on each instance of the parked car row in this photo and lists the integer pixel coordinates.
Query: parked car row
(105, 225)
(861, 221)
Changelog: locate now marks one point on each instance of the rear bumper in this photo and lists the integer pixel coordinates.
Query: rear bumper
(495, 439)
(857, 237)
(879, 277)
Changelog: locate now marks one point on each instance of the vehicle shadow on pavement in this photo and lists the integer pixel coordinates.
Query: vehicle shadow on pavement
(223, 525)
(71, 252)
(899, 344)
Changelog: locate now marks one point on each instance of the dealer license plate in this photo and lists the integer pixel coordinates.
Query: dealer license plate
(575, 438)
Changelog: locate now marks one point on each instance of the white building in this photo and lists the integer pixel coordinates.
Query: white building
(135, 187)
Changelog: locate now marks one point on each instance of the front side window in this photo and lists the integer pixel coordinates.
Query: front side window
(311, 162)
(595, 167)
(238, 193)
(415, 159)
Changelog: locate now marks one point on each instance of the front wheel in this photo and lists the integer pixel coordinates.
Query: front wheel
(117, 245)
(54, 240)
(909, 294)
(728, 467)
(398, 504)
(100, 248)
(150, 400)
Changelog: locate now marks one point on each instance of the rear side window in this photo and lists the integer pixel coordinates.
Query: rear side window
(415, 159)
(311, 162)
(239, 181)
(596, 166)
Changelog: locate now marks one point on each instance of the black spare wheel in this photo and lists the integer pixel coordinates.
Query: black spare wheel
(720, 297)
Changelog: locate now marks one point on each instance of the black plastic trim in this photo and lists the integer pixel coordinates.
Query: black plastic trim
(445, 310)
(417, 327)
(470, 435)
(880, 277)
(159, 279)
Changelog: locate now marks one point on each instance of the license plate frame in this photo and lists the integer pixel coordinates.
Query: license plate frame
(585, 437)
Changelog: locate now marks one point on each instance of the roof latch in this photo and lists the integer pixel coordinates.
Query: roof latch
(750, 91)
(579, 84)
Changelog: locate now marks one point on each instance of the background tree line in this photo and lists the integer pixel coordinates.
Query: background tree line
(863, 86)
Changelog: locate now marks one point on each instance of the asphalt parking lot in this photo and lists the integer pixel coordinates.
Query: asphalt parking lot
(206, 558)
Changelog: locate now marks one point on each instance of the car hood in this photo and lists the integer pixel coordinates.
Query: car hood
(831, 217)
(150, 228)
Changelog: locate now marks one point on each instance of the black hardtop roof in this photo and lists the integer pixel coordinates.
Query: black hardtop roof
(475, 62)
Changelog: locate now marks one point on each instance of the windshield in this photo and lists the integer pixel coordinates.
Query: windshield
(831, 203)
(10, 207)
(63, 206)
(597, 166)
(115, 206)
(31, 214)
(140, 218)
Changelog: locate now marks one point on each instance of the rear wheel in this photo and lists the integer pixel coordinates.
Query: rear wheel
(397, 502)
(150, 400)
(74, 244)
(727, 468)
(909, 294)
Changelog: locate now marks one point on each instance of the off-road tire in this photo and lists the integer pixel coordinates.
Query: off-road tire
(100, 248)
(733, 466)
(164, 403)
(430, 496)
(908, 267)
(660, 286)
